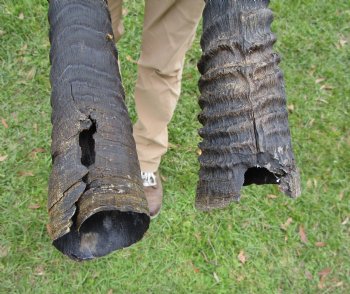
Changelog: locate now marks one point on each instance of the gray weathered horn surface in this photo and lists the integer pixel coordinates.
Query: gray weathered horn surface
(96, 202)
(246, 137)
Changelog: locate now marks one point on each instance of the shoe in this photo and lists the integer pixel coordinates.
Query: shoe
(153, 191)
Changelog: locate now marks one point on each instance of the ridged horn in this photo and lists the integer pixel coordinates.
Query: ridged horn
(246, 137)
(96, 202)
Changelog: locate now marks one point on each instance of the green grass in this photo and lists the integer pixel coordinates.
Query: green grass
(185, 250)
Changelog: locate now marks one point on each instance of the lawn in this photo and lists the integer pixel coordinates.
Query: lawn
(266, 243)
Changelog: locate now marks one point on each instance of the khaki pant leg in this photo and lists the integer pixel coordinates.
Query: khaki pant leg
(168, 31)
(115, 9)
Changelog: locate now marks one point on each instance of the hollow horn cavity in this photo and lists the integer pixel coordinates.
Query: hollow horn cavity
(96, 202)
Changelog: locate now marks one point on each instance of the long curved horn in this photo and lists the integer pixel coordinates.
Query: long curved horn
(96, 202)
(245, 132)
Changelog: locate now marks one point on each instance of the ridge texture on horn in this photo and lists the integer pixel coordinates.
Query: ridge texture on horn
(96, 202)
(246, 137)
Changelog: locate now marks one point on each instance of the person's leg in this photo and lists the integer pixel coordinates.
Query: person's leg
(115, 9)
(168, 32)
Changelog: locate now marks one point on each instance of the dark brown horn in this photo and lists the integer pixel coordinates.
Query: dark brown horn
(96, 202)
(245, 132)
